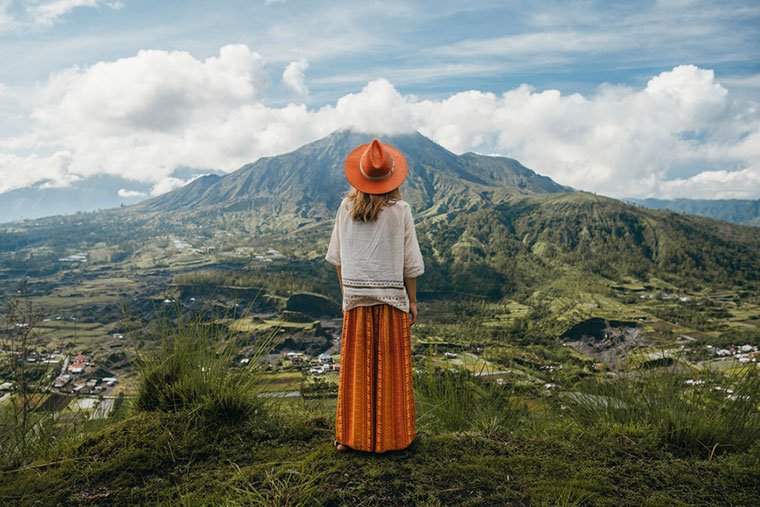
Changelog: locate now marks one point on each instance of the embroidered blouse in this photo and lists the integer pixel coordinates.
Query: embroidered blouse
(375, 257)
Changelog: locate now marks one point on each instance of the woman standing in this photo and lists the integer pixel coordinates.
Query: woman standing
(376, 255)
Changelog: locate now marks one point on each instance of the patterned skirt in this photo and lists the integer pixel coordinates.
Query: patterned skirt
(375, 409)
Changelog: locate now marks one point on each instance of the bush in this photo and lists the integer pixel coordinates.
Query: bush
(189, 374)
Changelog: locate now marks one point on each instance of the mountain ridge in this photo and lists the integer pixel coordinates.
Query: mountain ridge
(738, 211)
(309, 180)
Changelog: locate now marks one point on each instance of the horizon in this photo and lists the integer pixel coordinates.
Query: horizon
(159, 95)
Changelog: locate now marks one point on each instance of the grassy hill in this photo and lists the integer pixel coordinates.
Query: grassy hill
(192, 439)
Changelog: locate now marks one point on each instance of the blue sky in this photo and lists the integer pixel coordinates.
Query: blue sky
(426, 48)
(452, 54)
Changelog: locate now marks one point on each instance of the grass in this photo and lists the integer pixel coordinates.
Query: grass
(286, 458)
(689, 419)
(198, 434)
(192, 371)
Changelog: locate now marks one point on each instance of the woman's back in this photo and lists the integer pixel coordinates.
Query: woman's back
(375, 256)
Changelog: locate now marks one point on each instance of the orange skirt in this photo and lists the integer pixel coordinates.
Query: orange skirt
(375, 409)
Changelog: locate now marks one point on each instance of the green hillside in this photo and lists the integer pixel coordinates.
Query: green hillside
(524, 237)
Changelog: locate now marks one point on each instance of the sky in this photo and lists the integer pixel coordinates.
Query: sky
(627, 99)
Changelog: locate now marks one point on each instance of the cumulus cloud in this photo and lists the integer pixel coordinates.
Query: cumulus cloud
(294, 77)
(680, 135)
(167, 184)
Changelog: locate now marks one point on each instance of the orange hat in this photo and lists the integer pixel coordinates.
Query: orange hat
(375, 168)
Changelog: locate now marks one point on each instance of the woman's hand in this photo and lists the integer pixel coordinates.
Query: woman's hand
(413, 312)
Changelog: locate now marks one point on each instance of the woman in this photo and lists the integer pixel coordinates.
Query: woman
(377, 258)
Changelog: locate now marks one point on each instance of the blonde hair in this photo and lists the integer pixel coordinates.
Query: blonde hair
(366, 207)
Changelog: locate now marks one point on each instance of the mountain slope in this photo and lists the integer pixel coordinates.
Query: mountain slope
(309, 181)
(488, 223)
(524, 240)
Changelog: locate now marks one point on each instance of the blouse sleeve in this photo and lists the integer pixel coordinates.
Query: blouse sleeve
(414, 266)
(333, 249)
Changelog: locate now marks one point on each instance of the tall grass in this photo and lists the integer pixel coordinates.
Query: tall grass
(455, 400)
(697, 419)
(194, 371)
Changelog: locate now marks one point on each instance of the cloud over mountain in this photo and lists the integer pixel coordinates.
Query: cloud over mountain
(142, 116)
(294, 77)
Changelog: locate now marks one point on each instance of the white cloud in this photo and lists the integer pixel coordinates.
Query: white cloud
(536, 43)
(294, 77)
(7, 20)
(123, 192)
(683, 134)
(167, 185)
(49, 12)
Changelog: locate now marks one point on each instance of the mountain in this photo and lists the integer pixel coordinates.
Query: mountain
(97, 192)
(527, 240)
(739, 211)
(487, 223)
(309, 181)
(87, 194)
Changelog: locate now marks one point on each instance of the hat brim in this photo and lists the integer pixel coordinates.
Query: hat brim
(368, 186)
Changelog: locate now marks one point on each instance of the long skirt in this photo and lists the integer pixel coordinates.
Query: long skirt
(375, 409)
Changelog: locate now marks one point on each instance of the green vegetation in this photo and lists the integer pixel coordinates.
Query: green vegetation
(571, 349)
(478, 443)
(188, 374)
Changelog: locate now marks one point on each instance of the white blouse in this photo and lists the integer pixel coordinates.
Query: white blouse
(375, 257)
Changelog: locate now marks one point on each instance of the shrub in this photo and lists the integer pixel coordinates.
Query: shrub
(193, 371)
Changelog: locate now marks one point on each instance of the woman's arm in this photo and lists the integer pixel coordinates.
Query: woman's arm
(411, 290)
(340, 277)
(414, 265)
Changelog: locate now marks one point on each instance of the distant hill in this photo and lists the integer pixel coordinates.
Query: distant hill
(88, 194)
(739, 211)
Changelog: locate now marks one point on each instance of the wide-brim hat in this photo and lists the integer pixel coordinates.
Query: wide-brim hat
(376, 167)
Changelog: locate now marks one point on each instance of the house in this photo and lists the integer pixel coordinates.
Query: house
(110, 380)
(61, 381)
(78, 363)
(324, 357)
(6, 386)
(295, 357)
(318, 370)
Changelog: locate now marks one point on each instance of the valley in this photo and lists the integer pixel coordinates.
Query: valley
(558, 330)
